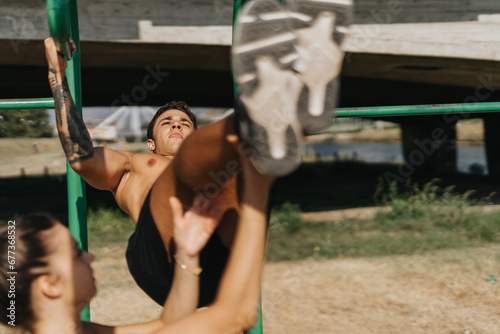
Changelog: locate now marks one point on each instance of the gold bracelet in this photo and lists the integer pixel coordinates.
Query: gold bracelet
(196, 272)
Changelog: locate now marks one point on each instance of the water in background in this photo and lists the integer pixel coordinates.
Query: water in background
(467, 156)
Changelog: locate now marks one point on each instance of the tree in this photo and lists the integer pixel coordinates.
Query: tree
(33, 123)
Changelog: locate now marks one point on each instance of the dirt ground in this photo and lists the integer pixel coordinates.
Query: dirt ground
(442, 292)
(445, 292)
(18, 155)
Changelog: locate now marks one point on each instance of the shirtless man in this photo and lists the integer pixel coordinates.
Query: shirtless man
(278, 103)
(142, 183)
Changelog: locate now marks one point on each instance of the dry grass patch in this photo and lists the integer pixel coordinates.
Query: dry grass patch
(442, 292)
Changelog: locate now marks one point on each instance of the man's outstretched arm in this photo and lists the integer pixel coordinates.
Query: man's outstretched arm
(102, 168)
(74, 136)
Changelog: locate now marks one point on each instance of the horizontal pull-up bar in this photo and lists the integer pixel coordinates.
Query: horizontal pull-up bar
(426, 109)
(388, 111)
(36, 103)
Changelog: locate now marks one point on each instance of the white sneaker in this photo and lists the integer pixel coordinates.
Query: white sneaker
(320, 26)
(263, 57)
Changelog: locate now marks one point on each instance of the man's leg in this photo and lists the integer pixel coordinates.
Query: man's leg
(206, 157)
(268, 68)
(205, 164)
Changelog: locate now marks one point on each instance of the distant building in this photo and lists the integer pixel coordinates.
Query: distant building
(126, 123)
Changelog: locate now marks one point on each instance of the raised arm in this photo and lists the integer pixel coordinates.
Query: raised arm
(192, 230)
(101, 168)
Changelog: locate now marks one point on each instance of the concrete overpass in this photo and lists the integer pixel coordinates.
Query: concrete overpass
(399, 52)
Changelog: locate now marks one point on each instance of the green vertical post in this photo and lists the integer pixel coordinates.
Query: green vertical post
(236, 11)
(257, 329)
(76, 186)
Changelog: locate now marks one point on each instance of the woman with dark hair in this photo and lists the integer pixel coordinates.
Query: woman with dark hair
(54, 279)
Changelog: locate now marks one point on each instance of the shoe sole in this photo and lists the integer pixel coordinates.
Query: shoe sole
(321, 26)
(263, 58)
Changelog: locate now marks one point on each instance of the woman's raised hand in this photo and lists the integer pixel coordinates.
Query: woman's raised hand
(193, 228)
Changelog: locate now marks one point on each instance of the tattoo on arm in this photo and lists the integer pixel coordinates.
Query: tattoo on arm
(73, 134)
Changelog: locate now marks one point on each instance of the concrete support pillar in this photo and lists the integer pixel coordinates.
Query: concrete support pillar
(429, 145)
(492, 143)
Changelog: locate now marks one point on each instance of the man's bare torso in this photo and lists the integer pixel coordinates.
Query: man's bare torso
(135, 184)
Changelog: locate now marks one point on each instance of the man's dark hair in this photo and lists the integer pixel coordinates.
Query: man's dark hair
(177, 105)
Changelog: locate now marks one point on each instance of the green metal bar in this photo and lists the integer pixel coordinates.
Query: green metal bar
(77, 204)
(63, 25)
(257, 329)
(59, 25)
(387, 111)
(236, 11)
(427, 109)
(41, 103)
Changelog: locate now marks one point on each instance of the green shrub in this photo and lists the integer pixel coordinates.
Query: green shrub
(106, 225)
(287, 218)
(422, 219)
(433, 208)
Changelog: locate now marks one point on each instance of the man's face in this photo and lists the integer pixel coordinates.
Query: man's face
(170, 129)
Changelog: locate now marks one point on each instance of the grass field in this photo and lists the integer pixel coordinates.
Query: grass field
(420, 220)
